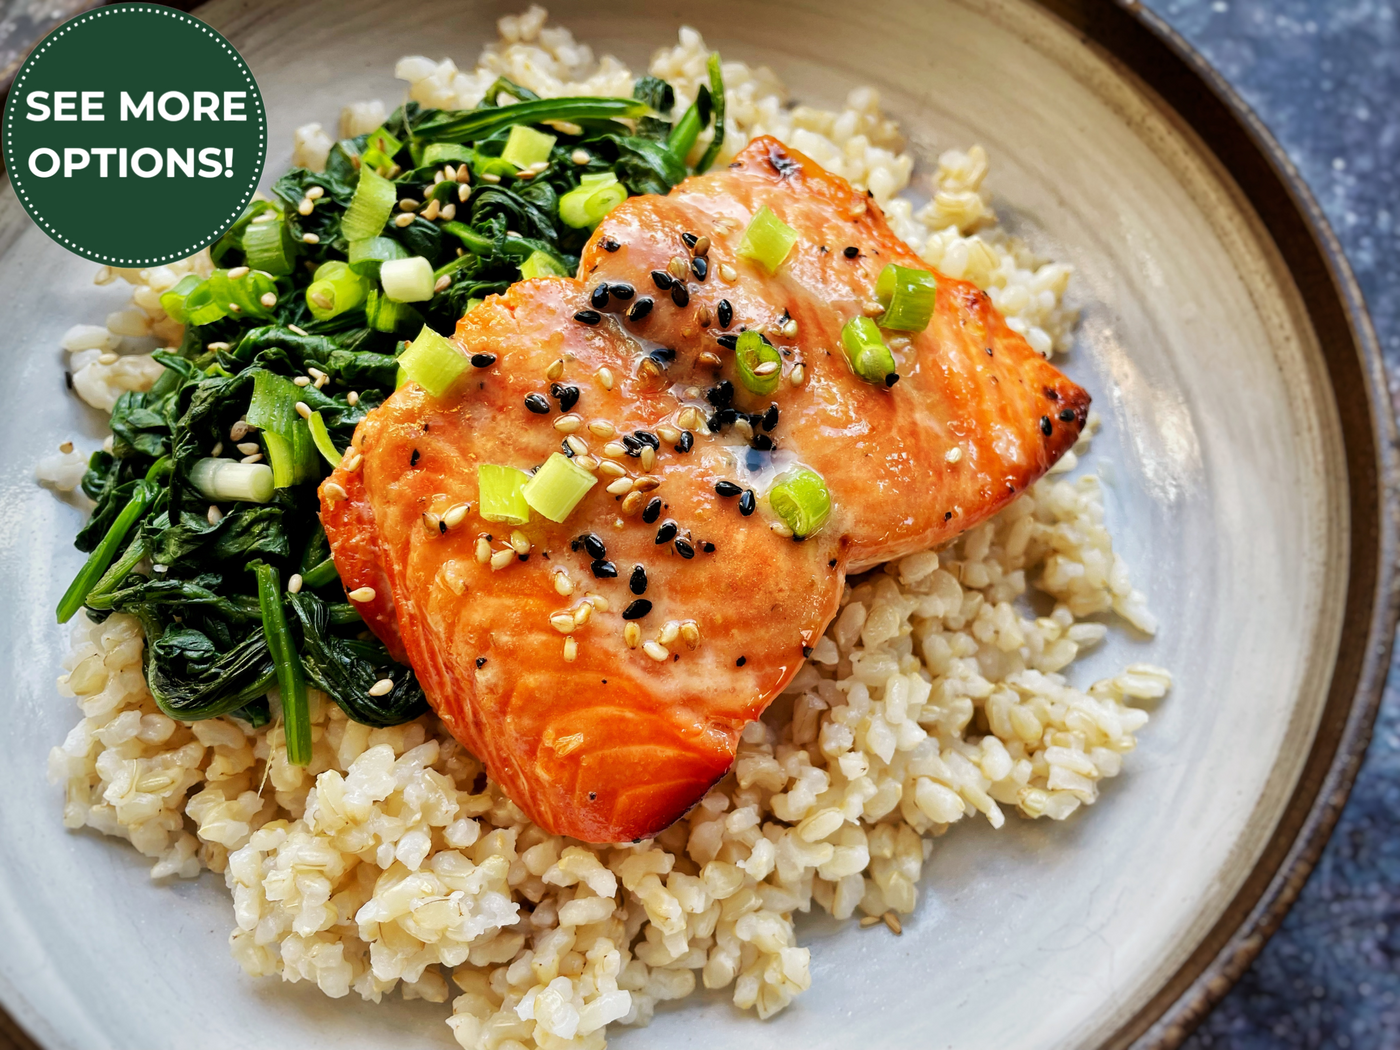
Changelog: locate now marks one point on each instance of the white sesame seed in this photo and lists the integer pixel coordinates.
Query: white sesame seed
(953, 454)
(555, 369)
(780, 528)
(892, 921)
(611, 469)
(615, 450)
(217, 450)
(352, 462)
(599, 603)
(519, 542)
(404, 220)
(382, 687)
(266, 216)
(449, 212)
(247, 448)
(655, 650)
(790, 329)
(562, 583)
(580, 156)
(586, 462)
(632, 502)
(582, 614)
(217, 346)
(767, 368)
(309, 238)
(237, 272)
(66, 447)
(268, 299)
(362, 594)
(294, 584)
(570, 650)
(440, 285)
(648, 457)
(646, 484)
(303, 409)
(601, 428)
(567, 424)
(314, 192)
(302, 380)
(500, 559)
(576, 445)
(490, 177)
(798, 374)
(562, 622)
(238, 430)
(454, 515)
(620, 487)
(333, 491)
(666, 432)
(432, 210)
(464, 174)
(670, 632)
(215, 515)
(108, 358)
(463, 192)
(298, 331)
(632, 635)
(728, 274)
(305, 205)
(690, 633)
(690, 418)
(256, 457)
(408, 204)
(431, 523)
(605, 377)
(483, 550)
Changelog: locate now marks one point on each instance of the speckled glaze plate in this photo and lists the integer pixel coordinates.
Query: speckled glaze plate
(1248, 457)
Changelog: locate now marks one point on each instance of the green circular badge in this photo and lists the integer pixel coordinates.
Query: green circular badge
(135, 135)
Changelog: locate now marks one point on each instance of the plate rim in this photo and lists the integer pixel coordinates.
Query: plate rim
(1144, 49)
(1148, 52)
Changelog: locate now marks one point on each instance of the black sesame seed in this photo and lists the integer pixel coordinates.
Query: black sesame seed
(684, 549)
(413, 459)
(948, 516)
(661, 279)
(564, 448)
(639, 309)
(1046, 427)
(680, 294)
(892, 379)
(667, 532)
(700, 267)
(567, 396)
(707, 547)
(652, 511)
(598, 298)
(729, 342)
(721, 395)
(831, 564)
(747, 503)
(633, 444)
(483, 360)
(588, 317)
(537, 403)
(1053, 395)
(1067, 416)
(741, 661)
(686, 443)
(770, 418)
(724, 310)
(689, 239)
(851, 252)
(604, 570)
(621, 291)
(637, 609)
(762, 442)
(646, 437)
(637, 582)
(663, 355)
(727, 489)
(806, 651)
(595, 547)
(611, 245)
(728, 416)
(442, 528)
(481, 661)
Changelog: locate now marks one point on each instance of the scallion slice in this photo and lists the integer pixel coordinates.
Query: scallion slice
(908, 295)
(370, 207)
(758, 363)
(368, 255)
(473, 125)
(227, 481)
(291, 680)
(436, 153)
(334, 289)
(285, 435)
(173, 300)
(584, 206)
(407, 280)
(500, 491)
(268, 246)
(384, 315)
(799, 496)
(433, 362)
(316, 423)
(541, 264)
(866, 351)
(526, 146)
(557, 487)
(768, 240)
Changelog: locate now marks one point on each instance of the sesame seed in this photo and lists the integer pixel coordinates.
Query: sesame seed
(1067, 416)
(570, 650)
(668, 433)
(798, 374)
(780, 528)
(680, 294)
(592, 543)
(215, 515)
(315, 193)
(352, 462)
(567, 396)
(652, 511)
(603, 570)
(872, 308)
(408, 204)
(331, 489)
(892, 921)
(256, 457)
(661, 279)
(305, 205)
(632, 502)
(537, 403)
(483, 550)
(953, 454)
(637, 609)
(700, 268)
(686, 442)
(727, 489)
(432, 523)
(298, 331)
(555, 369)
(667, 532)
(449, 212)
(576, 445)
(598, 298)
(464, 174)
(562, 583)
(747, 503)
(303, 410)
(588, 317)
(690, 418)
(868, 921)
(690, 633)
(701, 246)
(632, 635)
(268, 299)
(247, 448)
(440, 285)
(741, 661)
(728, 273)
(382, 687)
(599, 603)
(892, 378)
(237, 272)
(455, 514)
(670, 632)
(620, 487)
(614, 450)
(309, 238)
(567, 425)
(432, 210)
(790, 329)
(483, 360)
(362, 594)
(850, 252)
(650, 367)
(583, 614)
(656, 651)
(562, 622)
(404, 220)
(767, 368)
(519, 542)
(648, 458)
(215, 452)
(605, 377)
(1046, 427)
(580, 156)
(500, 559)
(463, 191)
(684, 549)
(601, 428)
(677, 267)
(238, 430)
(612, 470)
(638, 310)
(302, 380)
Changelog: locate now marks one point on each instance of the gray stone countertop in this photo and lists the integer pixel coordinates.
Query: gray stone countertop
(1324, 75)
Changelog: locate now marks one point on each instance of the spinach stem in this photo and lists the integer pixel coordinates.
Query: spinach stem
(320, 574)
(296, 716)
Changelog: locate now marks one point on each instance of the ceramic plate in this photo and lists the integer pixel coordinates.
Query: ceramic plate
(1244, 455)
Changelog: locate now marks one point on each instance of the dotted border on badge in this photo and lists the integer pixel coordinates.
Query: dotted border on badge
(103, 12)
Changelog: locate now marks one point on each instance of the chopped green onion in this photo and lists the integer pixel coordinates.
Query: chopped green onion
(866, 351)
(316, 423)
(717, 102)
(368, 255)
(908, 295)
(227, 481)
(142, 496)
(501, 494)
(268, 246)
(541, 264)
(526, 146)
(173, 301)
(768, 240)
(291, 680)
(407, 280)
(557, 487)
(383, 141)
(384, 315)
(597, 178)
(334, 289)
(758, 363)
(799, 496)
(433, 362)
(584, 206)
(370, 207)
(285, 435)
(445, 153)
(472, 125)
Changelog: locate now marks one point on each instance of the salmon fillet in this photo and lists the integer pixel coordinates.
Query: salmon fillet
(526, 655)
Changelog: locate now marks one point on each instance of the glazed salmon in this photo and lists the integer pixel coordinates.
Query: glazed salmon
(603, 668)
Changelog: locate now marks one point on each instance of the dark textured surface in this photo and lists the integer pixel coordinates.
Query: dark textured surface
(1324, 75)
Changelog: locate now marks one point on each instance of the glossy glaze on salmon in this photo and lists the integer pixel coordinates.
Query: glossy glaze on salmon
(609, 738)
